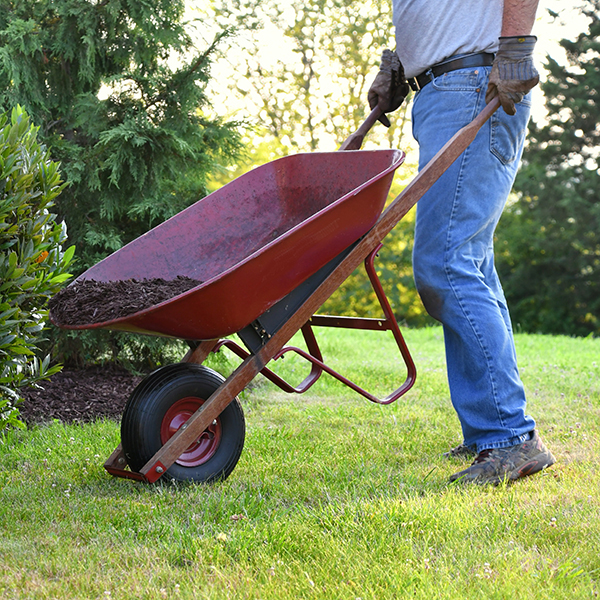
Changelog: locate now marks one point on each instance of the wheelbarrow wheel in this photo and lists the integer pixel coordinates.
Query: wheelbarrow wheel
(162, 403)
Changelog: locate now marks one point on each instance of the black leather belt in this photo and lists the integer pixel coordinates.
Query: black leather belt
(482, 59)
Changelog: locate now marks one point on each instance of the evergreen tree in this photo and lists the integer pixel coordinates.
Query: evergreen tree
(119, 94)
(127, 126)
(548, 248)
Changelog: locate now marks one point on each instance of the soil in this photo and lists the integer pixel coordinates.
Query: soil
(79, 395)
(88, 301)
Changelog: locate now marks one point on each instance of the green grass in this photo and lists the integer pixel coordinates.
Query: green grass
(333, 498)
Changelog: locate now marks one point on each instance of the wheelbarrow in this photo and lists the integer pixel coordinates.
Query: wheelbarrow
(268, 249)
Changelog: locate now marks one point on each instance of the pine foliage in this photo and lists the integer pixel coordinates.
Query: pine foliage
(119, 94)
(549, 240)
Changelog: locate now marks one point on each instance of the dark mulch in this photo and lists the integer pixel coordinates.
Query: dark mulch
(88, 301)
(79, 395)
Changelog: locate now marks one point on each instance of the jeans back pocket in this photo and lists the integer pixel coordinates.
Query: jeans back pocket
(508, 132)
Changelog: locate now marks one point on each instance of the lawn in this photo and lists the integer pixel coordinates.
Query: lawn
(333, 497)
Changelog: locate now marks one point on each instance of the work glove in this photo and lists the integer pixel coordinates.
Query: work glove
(390, 87)
(513, 72)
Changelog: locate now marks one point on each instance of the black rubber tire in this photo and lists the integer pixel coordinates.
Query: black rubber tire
(146, 409)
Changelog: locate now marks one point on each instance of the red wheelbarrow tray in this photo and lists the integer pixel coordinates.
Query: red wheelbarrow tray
(252, 241)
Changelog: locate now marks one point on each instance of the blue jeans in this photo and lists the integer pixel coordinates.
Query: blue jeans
(453, 256)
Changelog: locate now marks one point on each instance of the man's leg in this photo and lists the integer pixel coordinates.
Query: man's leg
(453, 256)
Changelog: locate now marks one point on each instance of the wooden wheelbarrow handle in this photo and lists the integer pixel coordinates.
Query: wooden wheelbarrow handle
(355, 140)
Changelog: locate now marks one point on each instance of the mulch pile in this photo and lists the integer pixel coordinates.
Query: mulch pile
(87, 302)
(81, 395)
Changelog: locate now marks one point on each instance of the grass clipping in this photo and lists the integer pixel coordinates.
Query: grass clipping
(87, 302)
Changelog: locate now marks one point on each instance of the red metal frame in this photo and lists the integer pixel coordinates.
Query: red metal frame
(115, 465)
(388, 323)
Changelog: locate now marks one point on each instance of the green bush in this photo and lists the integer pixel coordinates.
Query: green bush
(32, 262)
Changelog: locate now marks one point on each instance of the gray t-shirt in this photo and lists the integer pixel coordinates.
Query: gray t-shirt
(427, 32)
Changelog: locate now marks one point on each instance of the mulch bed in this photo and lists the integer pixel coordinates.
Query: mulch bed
(84, 395)
(88, 301)
(81, 395)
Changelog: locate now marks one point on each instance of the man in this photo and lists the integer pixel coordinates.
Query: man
(457, 56)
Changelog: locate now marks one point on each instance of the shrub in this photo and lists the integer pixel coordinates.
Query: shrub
(32, 262)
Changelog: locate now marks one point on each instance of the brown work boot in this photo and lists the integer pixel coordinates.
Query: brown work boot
(461, 451)
(495, 465)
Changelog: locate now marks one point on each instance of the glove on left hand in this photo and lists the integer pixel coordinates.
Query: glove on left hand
(513, 72)
(389, 87)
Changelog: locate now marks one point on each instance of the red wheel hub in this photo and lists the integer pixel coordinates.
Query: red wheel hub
(206, 444)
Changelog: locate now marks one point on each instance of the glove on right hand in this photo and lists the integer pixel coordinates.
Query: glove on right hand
(513, 72)
(389, 87)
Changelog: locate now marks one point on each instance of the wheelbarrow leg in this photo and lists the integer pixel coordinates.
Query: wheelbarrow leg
(199, 354)
(115, 465)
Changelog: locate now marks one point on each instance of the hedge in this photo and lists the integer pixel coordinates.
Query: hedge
(32, 261)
